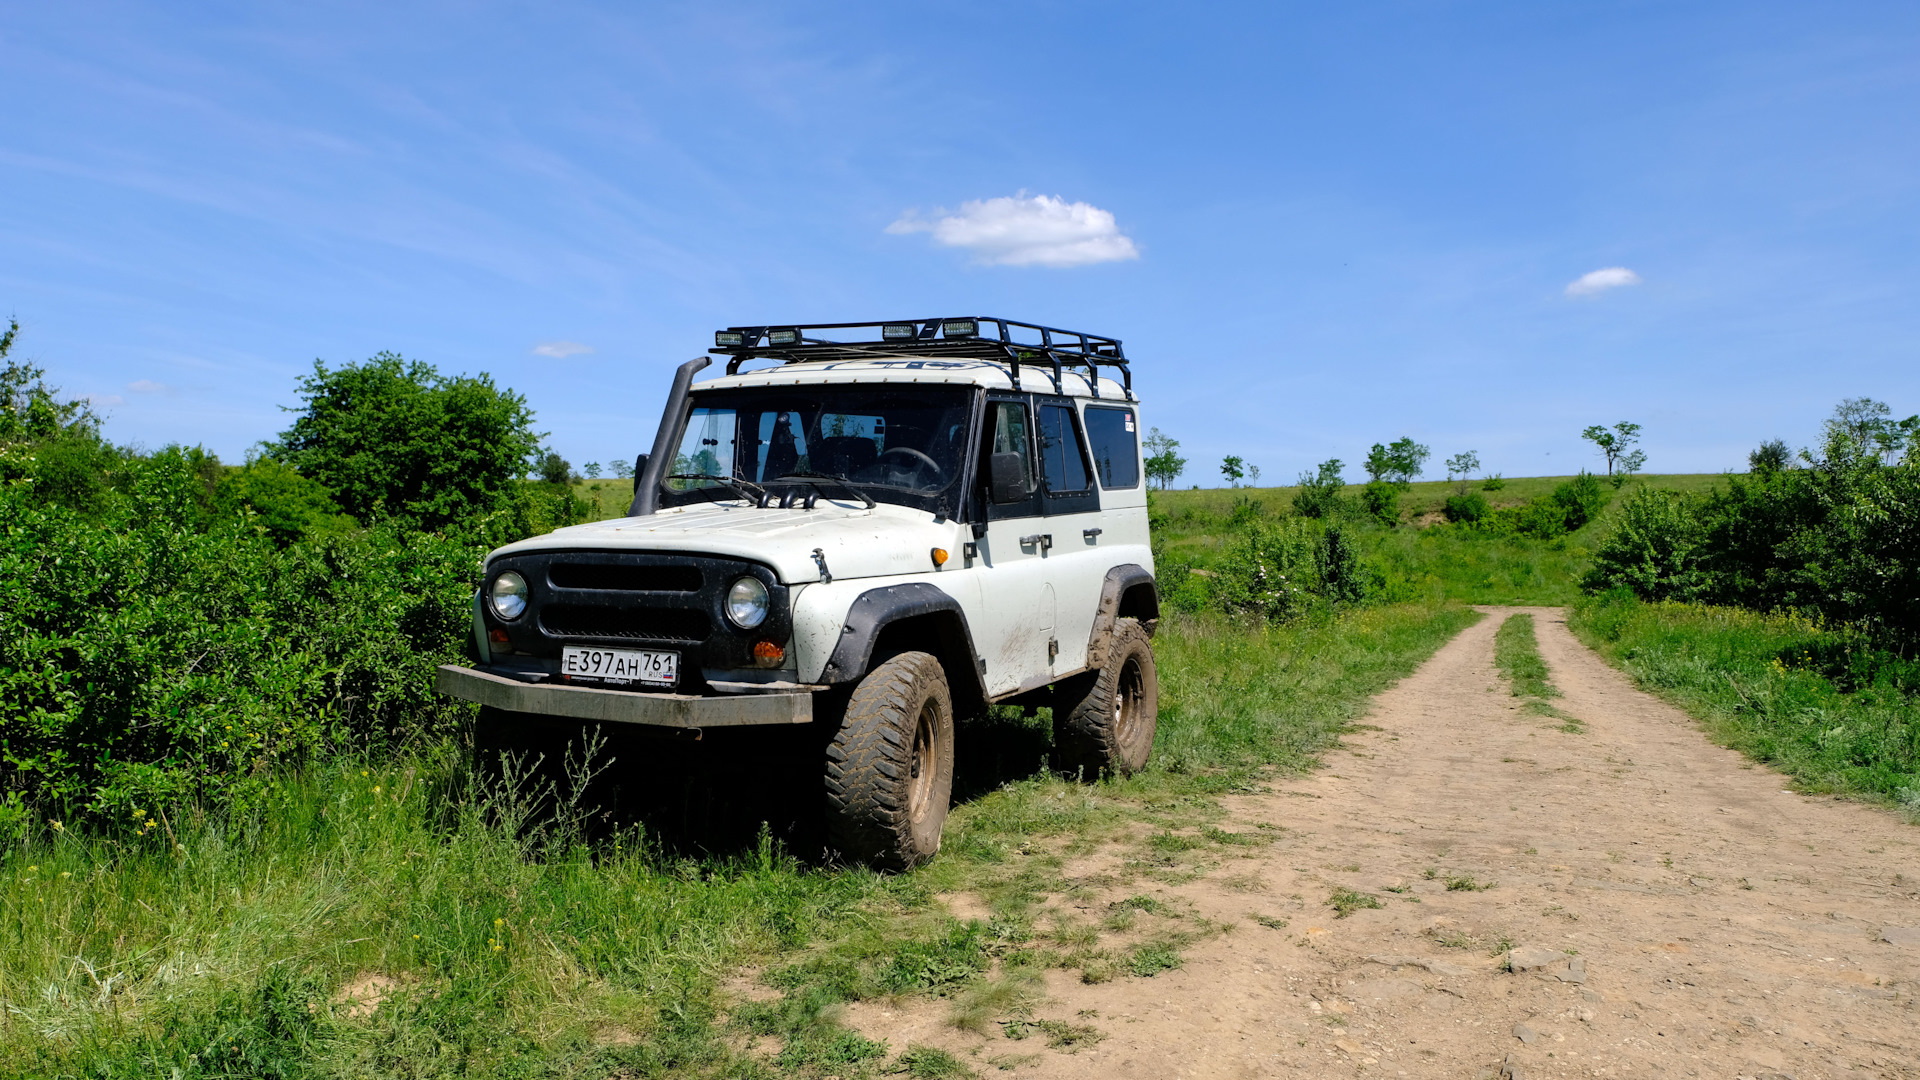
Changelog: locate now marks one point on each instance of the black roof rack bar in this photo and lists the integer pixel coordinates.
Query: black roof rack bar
(993, 340)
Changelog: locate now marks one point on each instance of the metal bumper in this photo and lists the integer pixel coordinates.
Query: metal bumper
(625, 706)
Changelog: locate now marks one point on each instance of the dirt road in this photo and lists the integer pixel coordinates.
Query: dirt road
(1718, 925)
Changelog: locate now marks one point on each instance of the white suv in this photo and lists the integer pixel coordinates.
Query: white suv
(878, 534)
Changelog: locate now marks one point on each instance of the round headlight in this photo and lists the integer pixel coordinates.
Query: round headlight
(509, 595)
(747, 603)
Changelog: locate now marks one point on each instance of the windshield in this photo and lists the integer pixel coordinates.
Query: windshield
(889, 443)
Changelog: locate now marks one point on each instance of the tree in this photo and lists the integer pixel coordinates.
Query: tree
(1617, 445)
(1164, 464)
(1463, 464)
(592, 469)
(1771, 457)
(1397, 463)
(1862, 426)
(554, 469)
(1253, 475)
(1233, 468)
(32, 410)
(393, 438)
(622, 470)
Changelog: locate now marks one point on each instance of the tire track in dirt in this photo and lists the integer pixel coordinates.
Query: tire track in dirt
(1725, 927)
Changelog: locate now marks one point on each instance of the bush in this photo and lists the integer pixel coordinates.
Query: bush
(1565, 509)
(1281, 570)
(1319, 494)
(1468, 508)
(393, 439)
(1381, 500)
(1653, 549)
(1493, 483)
(1839, 540)
(284, 503)
(152, 658)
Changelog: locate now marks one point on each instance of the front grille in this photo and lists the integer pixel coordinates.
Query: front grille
(624, 624)
(613, 577)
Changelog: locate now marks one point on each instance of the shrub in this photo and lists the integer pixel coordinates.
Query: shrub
(1281, 570)
(1839, 540)
(1319, 494)
(284, 503)
(1565, 509)
(1493, 483)
(1381, 500)
(1467, 508)
(1653, 549)
(393, 439)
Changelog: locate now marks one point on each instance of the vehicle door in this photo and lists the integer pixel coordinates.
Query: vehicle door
(1076, 564)
(1016, 632)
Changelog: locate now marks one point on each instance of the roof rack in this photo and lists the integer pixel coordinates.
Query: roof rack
(969, 338)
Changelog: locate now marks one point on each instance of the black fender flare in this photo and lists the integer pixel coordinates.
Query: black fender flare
(1120, 580)
(874, 610)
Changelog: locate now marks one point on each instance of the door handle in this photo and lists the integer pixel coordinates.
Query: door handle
(1090, 533)
(1043, 541)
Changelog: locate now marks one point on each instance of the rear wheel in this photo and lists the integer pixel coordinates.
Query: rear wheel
(890, 765)
(1105, 719)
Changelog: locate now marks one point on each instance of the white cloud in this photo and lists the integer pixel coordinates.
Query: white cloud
(148, 386)
(1020, 231)
(560, 350)
(1599, 281)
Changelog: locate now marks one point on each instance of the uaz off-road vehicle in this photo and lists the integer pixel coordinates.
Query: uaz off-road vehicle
(877, 535)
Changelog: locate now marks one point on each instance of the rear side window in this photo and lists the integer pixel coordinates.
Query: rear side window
(1116, 445)
(1065, 463)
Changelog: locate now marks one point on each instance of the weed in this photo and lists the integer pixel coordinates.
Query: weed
(1060, 1034)
(1346, 901)
(1270, 922)
(1466, 883)
(1153, 958)
(929, 1063)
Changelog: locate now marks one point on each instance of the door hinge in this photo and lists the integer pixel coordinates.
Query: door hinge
(1043, 541)
(1053, 649)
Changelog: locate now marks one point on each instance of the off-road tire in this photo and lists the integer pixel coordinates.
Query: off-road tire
(890, 765)
(1104, 720)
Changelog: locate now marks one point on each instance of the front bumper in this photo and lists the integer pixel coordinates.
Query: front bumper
(625, 706)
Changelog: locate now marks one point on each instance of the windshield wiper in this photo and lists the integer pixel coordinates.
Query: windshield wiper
(746, 489)
(809, 477)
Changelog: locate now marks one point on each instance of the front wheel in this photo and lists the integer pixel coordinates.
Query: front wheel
(890, 765)
(1105, 720)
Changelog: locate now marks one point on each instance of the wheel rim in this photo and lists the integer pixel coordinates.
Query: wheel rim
(924, 762)
(1129, 703)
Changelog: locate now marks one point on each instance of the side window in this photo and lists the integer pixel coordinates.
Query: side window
(1061, 455)
(1010, 436)
(1116, 446)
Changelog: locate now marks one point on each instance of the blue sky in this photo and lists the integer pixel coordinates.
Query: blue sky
(1315, 226)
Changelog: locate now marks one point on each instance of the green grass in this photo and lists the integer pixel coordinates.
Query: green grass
(502, 954)
(1422, 498)
(1516, 652)
(1764, 685)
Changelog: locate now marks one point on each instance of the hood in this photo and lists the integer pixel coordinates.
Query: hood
(855, 541)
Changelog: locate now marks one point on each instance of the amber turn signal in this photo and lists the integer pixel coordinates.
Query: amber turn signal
(939, 556)
(768, 653)
(497, 636)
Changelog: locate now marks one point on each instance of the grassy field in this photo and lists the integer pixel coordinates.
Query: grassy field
(1802, 698)
(378, 916)
(1421, 499)
(262, 946)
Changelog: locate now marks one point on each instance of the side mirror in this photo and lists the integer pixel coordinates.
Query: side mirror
(1006, 478)
(639, 470)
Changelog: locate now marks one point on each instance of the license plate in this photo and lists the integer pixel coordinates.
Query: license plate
(621, 666)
